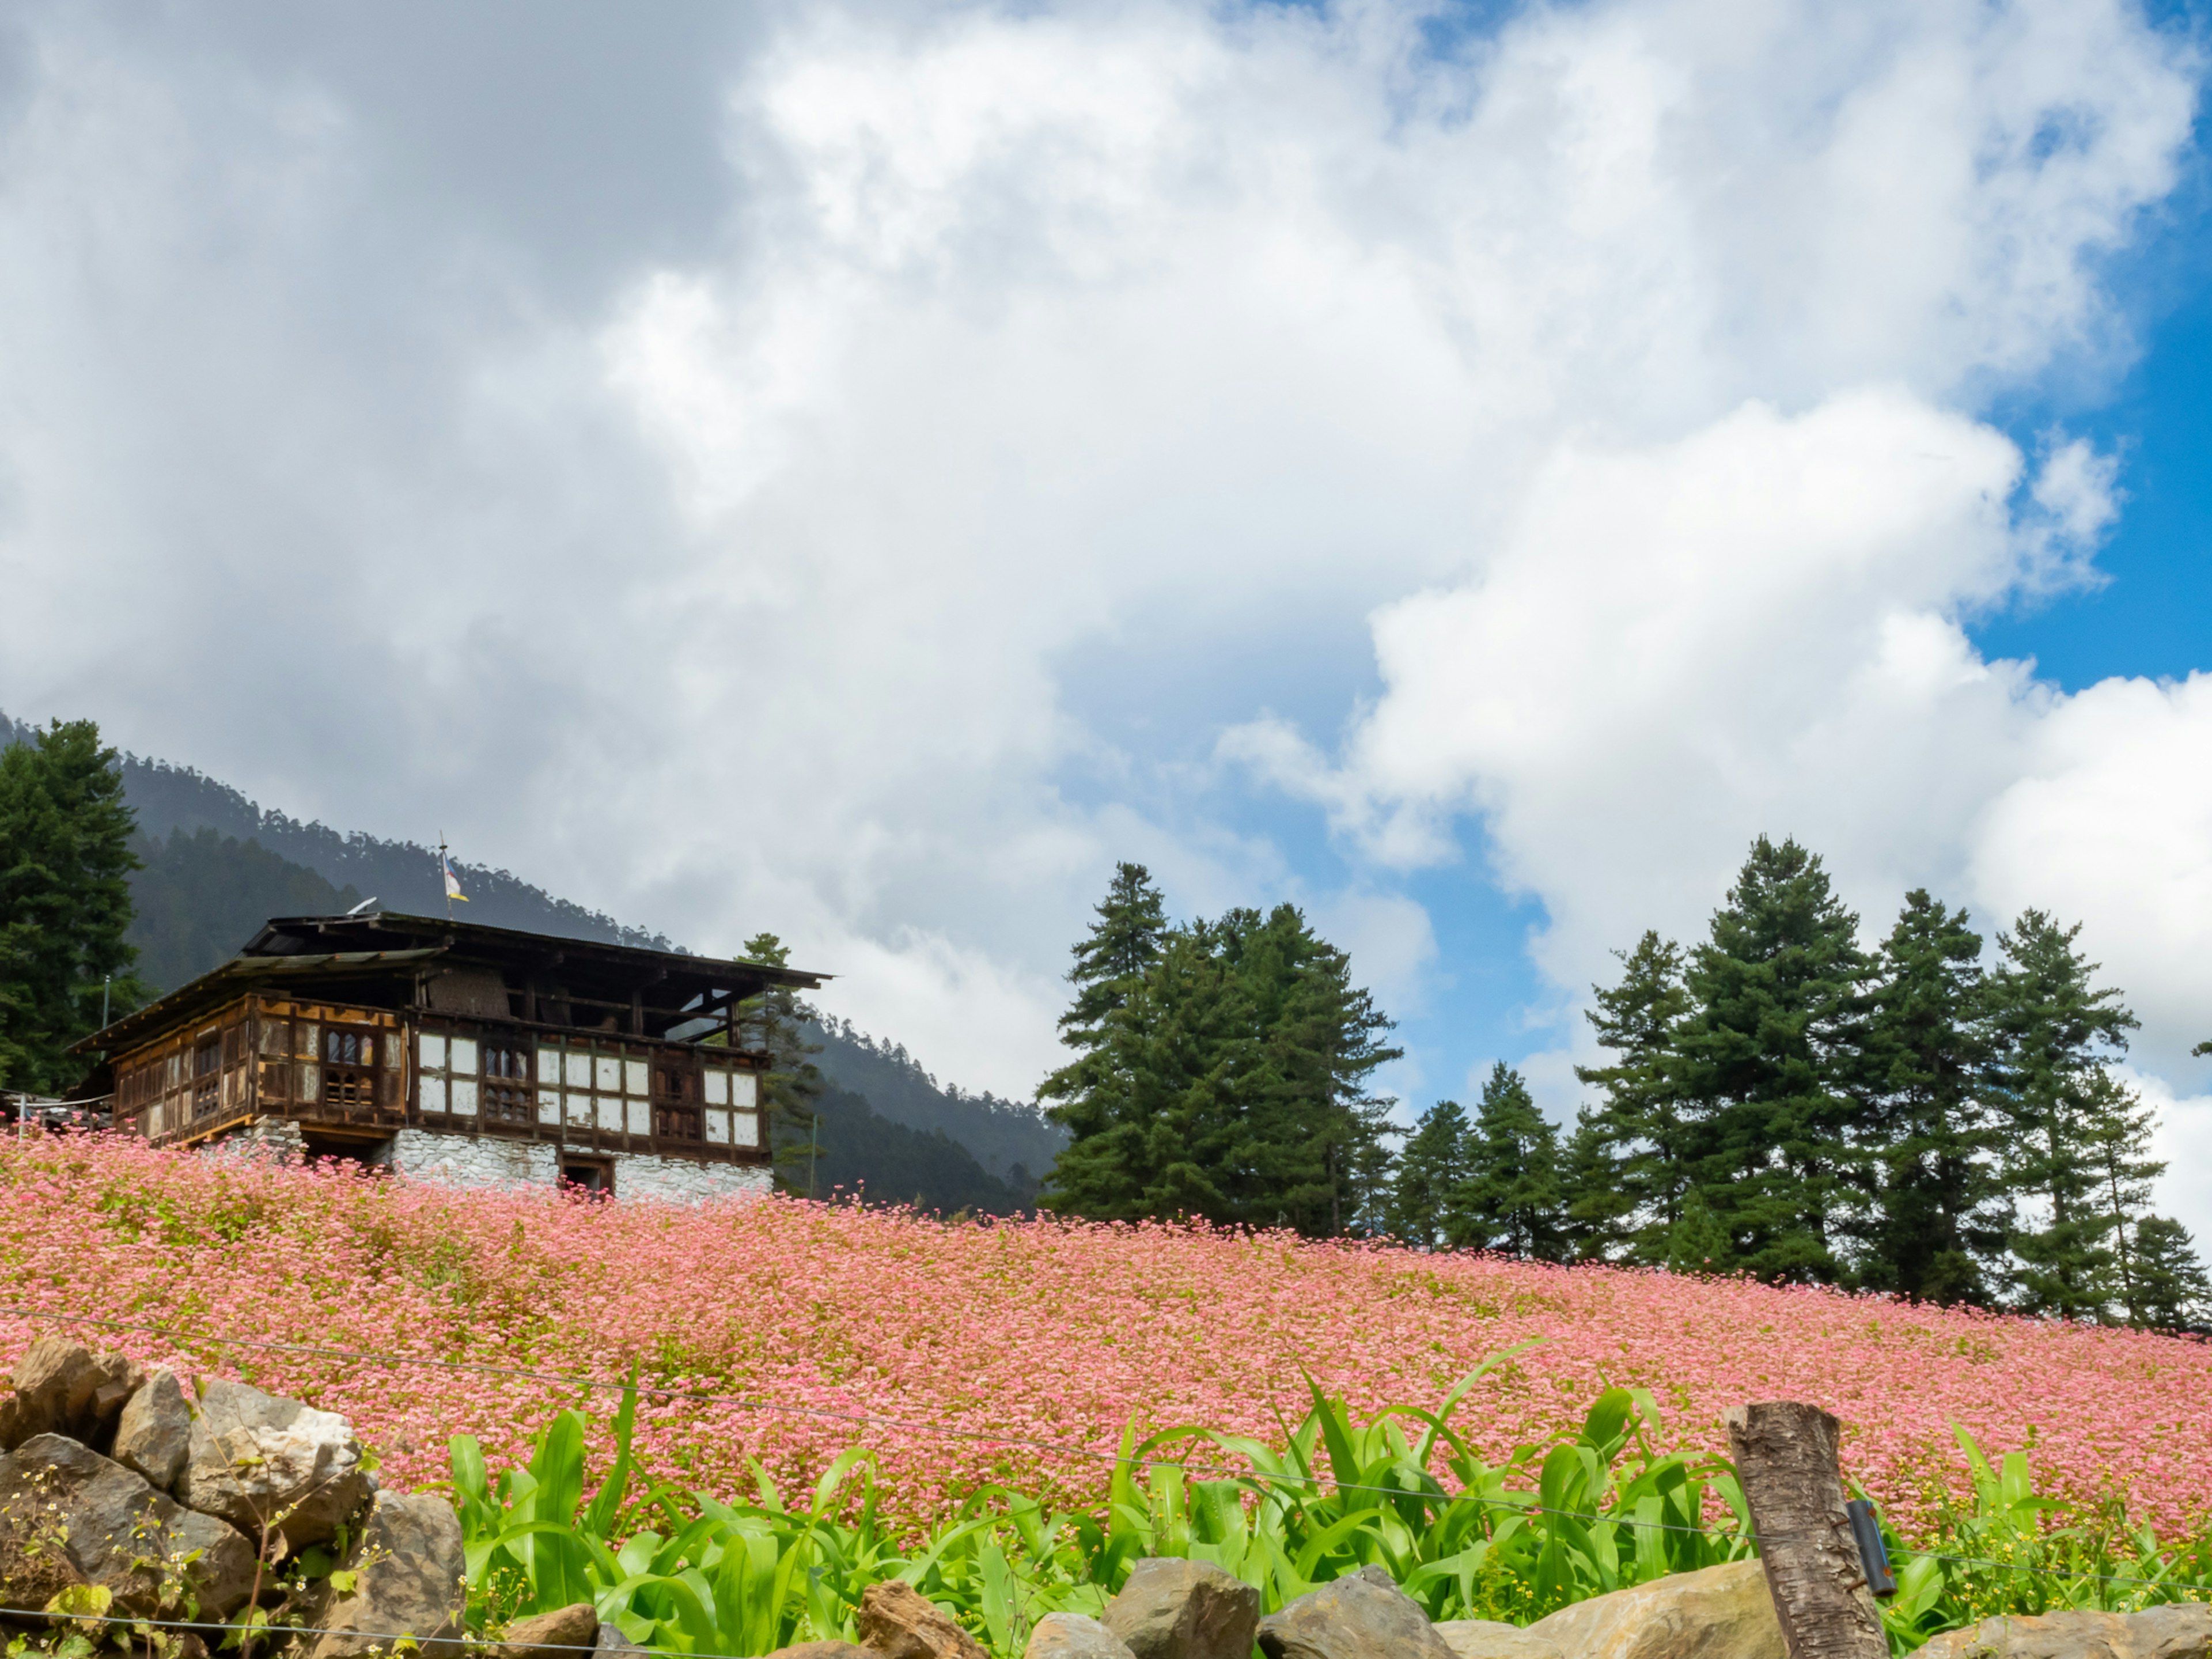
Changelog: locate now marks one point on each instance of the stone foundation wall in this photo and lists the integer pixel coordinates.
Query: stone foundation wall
(679, 1181)
(466, 1161)
(457, 1160)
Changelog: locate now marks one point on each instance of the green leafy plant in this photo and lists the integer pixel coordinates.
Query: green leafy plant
(1596, 1510)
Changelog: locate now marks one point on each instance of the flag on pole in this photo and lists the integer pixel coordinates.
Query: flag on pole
(453, 882)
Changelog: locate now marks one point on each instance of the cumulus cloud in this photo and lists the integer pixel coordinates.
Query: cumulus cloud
(706, 519)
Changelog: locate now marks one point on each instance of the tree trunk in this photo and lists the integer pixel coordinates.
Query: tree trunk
(1786, 1456)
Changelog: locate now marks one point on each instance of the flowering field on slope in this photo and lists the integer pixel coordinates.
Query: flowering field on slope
(1011, 1353)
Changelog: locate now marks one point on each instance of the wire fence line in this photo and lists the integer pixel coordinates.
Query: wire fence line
(756, 1403)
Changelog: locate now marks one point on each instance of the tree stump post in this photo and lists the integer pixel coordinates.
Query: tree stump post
(1786, 1456)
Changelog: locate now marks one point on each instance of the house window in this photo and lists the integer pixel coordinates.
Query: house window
(349, 1080)
(507, 1097)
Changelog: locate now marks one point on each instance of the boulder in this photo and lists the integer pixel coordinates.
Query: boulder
(1493, 1638)
(154, 1432)
(56, 1494)
(2179, 1630)
(1172, 1608)
(898, 1621)
(55, 1380)
(1715, 1613)
(119, 1377)
(821, 1650)
(613, 1644)
(1071, 1635)
(561, 1634)
(1354, 1618)
(257, 1460)
(408, 1580)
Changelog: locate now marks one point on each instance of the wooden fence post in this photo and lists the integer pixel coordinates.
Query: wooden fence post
(1785, 1456)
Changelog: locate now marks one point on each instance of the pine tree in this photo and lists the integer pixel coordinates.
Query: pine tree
(1156, 1131)
(1111, 962)
(1312, 1130)
(65, 862)
(1937, 1229)
(2119, 1135)
(2061, 1116)
(1628, 1165)
(1698, 1243)
(1600, 1210)
(1431, 1169)
(2169, 1289)
(1223, 1074)
(774, 1023)
(1512, 1200)
(1766, 1057)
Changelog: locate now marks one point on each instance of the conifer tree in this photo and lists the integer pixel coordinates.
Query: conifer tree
(65, 862)
(2063, 1120)
(1628, 1168)
(2119, 1134)
(1600, 1210)
(1431, 1169)
(1937, 1230)
(1312, 1129)
(1698, 1243)
(1766, 1055)
(774, 1022)
(1111, 962)
(2168, 1287)
(1156, 1130)
(1222, 1073)
(1511, 1201)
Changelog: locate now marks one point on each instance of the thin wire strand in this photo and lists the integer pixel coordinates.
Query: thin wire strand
(753, 1403)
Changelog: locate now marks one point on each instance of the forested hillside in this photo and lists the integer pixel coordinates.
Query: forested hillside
(215, 866)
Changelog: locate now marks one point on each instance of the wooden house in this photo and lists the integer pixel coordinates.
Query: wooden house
(449, 1049)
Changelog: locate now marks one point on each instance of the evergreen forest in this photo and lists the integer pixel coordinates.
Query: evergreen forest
(1933, 1114)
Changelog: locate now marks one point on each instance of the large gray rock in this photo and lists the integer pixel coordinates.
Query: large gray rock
(2179, 1630)
(561, 1634)
(1493, 1638)
(55, 1380)
(897, 1620)
(1172, 1608)
(258, 1462)
(1715, 1613)
(154, 1434)
(821, 1651)
(408, 1581)
(1071, 1635)
(1363, 1617)
(613, 1644)
(114, 1530)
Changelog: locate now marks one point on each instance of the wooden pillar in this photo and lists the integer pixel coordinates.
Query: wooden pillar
(1786, 1456)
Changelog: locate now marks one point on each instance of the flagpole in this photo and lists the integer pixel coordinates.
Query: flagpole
(443, 880)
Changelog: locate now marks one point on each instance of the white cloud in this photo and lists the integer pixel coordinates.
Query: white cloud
(1623, 366)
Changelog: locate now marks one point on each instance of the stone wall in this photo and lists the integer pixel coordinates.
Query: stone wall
(461, 1160)
(469, 1160)
(679, 1181)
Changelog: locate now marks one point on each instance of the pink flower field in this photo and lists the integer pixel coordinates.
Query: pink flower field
(1011, 1353)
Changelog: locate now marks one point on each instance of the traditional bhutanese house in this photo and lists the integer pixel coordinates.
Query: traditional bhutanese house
(473, 1054)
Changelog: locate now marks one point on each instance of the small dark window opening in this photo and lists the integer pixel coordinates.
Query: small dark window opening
(592, 1177)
